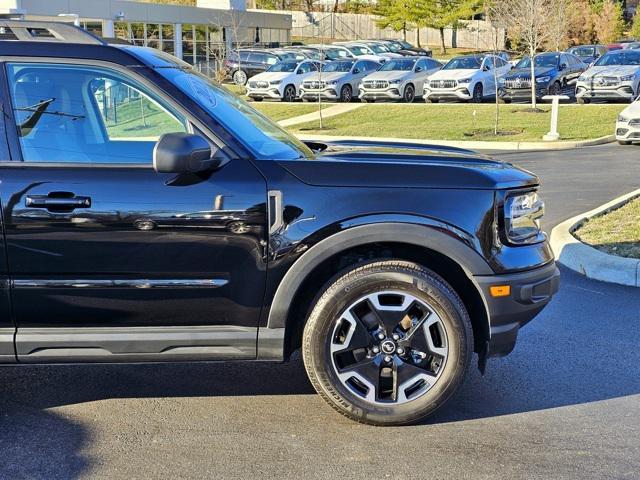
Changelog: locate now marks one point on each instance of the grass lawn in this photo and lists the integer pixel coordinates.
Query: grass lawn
(616, 233)
(458, 122)
(281, 111)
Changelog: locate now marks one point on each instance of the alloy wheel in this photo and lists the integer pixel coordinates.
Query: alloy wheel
(389, 347)
(240, 77)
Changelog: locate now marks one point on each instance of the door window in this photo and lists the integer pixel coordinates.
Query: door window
(79, 113)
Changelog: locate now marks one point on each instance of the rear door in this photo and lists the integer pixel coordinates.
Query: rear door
(110, 260)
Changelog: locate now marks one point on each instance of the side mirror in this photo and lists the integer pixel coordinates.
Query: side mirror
(485, 68)
(356, 70)
(182, 153)
(418, 69)
(563, 66)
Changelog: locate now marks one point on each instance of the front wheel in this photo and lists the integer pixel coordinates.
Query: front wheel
(346, 94)
(583, 101)
(478, 93)
(409, 94)
(624, 142)
(289, 93)
(387, 343)
(555, 88)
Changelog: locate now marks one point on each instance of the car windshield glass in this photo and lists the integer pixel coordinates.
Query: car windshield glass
(358, 51)
(265, 139)
(286, 55)
(378, 48)
(394, 46)
(540, 61)
(405, 44)
(337, 67)
(626, 57)
(464, 63)
(283, 67)
(583, 51)
(403, 65)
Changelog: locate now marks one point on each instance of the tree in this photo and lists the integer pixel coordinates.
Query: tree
(635, 28)
(394, 14)
(609, 21)
(527, 21)
(581, 29)
(559, 20)
(440, 14)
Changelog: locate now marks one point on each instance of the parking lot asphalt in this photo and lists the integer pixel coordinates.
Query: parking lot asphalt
(565, 404)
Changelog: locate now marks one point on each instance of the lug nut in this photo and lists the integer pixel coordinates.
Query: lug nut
(396, 336)
(376, 350)
(400, 350)
(381, 336)
(388, 359)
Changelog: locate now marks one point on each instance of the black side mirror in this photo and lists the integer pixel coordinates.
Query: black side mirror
(356, 70)
(485, 68)
(563, 66)
(418, 69)
(182, 153)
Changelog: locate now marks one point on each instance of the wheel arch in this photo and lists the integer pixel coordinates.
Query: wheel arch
(428, 245)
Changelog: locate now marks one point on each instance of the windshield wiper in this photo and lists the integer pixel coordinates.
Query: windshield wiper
(38, 110)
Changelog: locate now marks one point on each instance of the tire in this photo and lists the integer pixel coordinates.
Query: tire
(506, 101)
(289, 93)
(432, 100)
(257, 99)
(478, 93)
(555, 88)
(624, 142)
(409, 94)
(583, 101)
(240, 77)
(422, 382)
(346, 94)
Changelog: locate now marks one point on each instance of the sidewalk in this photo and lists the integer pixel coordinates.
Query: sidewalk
(329, 111)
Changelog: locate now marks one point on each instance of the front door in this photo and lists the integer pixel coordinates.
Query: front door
(108, 259)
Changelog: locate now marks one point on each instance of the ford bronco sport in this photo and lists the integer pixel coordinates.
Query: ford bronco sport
(150, 215)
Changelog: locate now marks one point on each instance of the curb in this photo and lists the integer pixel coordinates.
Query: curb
(593, 263)
(513, 146)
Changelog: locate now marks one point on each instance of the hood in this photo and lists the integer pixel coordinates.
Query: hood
(453, 74)
(526, 72)
(270, 76)
(632, 111)
(390, 75)
(611, 71)
(327, 76)
(406, 165)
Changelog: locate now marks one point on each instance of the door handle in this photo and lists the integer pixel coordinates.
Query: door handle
(58, 201)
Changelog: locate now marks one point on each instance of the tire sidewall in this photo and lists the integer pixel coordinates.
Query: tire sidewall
(428, 288)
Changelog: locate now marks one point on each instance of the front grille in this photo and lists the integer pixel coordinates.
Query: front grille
(605, 81)
(443, 83)
(313, 85)
(635, 135)
(376, 84)
(520, 82)
(634, 122)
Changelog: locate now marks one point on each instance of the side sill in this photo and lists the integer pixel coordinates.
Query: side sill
(135, 344)
(271, 344)
(7, 352)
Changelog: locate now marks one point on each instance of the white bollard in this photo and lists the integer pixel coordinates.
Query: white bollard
(553, 135)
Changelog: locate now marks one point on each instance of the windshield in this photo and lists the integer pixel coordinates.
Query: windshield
(405, 44)
(338, 67)
(378, 48)
(464, 63)
(357, 50)
(286, 55)
(265, 139)
(394, 46)
(583, 51)
(625, 57)
(540, 61)
(283, 67)
(400, 65)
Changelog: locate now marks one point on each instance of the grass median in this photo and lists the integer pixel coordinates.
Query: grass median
(281, 111)
(467, 122)
(616, 233)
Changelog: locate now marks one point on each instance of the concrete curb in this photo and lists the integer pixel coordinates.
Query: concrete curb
(513, 146)
(593, 263)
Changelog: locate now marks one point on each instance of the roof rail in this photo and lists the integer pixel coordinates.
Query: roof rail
(28, 31)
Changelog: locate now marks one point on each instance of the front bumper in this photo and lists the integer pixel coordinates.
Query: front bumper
(522, 94)
(531, 291)
(392, 93)
(621, 91)
(326, 94)
(459, 93)
(628, 131)
(272, 92)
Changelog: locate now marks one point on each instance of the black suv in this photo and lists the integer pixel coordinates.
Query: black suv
(554, 72)
(243, 64)
(150, 215)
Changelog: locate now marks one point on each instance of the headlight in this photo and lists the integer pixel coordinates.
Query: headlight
(522, 212)
(465, 80)
(622, 119)
(276, 82)
(395, 82)
(543, 79)
(332, 82)
(627, 78)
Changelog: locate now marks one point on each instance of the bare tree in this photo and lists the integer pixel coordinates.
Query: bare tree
(528, 21)
(559, 23)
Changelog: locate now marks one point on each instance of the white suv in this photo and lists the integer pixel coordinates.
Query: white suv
(628, 124)
(467, 78)
(282, 81)
(398, 79)
(337, 81)
(614, 76)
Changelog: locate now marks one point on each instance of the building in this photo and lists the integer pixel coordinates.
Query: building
(195, 34)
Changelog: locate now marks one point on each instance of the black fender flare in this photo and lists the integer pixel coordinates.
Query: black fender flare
(432, 235)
